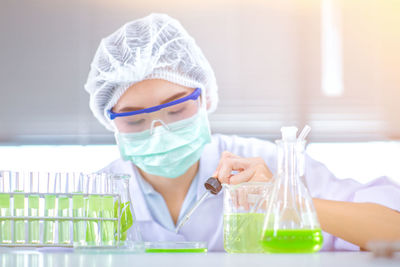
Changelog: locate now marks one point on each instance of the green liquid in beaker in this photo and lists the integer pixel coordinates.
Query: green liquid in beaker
(292, 241)
(78, 226)
(19, 225)
(5, 225)
(33, 206)
(107, 229)
(242, 232)
(49, 225)
(64, 236)
(93, 211)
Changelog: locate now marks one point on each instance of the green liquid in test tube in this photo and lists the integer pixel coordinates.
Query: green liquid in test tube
(19, 225)
(79, 226)
(33, 205)
(64, 235)
(49, 225)
(94, 204)
(33, 209)
(107, 229)
(5, 225)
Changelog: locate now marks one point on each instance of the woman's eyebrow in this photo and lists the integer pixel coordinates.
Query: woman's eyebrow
(174, 97)
(169, 99)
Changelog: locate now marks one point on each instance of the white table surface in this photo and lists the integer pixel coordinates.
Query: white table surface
(34, 258)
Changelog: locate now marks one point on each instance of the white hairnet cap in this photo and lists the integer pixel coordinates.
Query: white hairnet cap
(154, 47)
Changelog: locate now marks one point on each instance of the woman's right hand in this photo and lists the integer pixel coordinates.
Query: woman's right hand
(245, 169)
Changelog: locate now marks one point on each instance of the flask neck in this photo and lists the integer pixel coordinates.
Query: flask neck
(290, 160)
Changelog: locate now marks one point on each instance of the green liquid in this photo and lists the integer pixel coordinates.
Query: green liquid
(5, 225)
(242, 232)
(33, 205)
(19, 225)
(292, 241)
(107, 229)
(78, 226)
(49, 225)
(93, 211)
(176, 250)
(64, 235)
(126, 219)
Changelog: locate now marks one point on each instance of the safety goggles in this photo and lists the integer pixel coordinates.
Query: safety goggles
(165, 114)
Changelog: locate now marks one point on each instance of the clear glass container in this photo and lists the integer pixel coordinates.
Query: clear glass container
(244, 211)
(291, 224)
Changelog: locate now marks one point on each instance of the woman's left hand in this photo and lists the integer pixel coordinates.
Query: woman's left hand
(246, 169)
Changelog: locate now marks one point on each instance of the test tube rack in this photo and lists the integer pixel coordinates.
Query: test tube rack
(9, 223)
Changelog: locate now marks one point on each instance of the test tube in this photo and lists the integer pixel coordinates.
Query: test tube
(50, 209)
(93, 209)
(33, 208)
(19, 207)
(64, 235)
(107, 211)
(5, 209)
(78, 210)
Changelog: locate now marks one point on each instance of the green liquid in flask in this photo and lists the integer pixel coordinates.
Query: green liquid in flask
(93, 211)
(5, 225)
(78, 226)
(242, 232)
(33, 205)
(64, 236)
(107, 229)
(292, 241)
(49, 225)
(19, 225)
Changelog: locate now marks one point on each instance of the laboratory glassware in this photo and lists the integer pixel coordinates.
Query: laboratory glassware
(291, 224)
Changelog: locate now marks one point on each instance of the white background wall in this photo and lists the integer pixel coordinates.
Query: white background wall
(266, 55)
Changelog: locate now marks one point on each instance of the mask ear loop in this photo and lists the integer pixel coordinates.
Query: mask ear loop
(154, 122)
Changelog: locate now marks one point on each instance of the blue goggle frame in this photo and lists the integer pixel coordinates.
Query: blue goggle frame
(193, 96)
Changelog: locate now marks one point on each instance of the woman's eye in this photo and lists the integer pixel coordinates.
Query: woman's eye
(135, 123)
(175, 112)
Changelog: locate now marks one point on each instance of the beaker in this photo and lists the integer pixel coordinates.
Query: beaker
(291, 223)
(244, 211)
(129, 234)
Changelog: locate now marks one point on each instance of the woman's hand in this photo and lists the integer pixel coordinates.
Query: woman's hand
(247, 169)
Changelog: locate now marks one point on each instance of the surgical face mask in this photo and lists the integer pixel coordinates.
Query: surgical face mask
(167, 150)
(167, 153)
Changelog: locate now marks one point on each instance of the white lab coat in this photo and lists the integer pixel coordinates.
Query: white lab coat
(206, 223)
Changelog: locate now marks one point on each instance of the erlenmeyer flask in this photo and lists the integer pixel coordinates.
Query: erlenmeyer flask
(290, 224)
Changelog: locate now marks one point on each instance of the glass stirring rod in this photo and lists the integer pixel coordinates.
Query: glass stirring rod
(213, 186)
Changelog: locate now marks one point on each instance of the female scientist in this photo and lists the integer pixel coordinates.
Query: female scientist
(151, 85)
